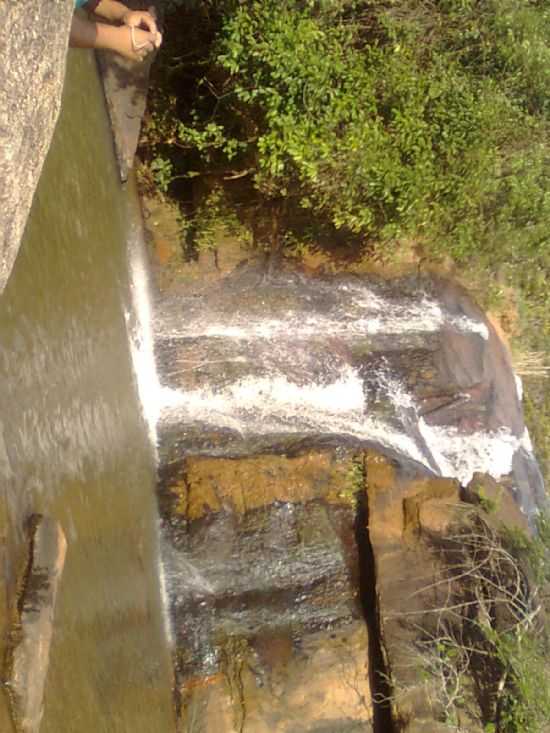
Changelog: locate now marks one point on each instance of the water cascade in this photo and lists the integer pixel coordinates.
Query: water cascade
(262, 364)
(261, 586)
(300, 418)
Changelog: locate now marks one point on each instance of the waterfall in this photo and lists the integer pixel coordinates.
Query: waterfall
(343, 359)
(139, 320)
(139, 324)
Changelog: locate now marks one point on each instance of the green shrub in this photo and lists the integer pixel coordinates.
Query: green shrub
(211, 221)
(525, 704)
(387, 119)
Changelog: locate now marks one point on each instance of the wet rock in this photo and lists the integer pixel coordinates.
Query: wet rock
(200, 486)
(319, 436)
(528, 483)
(125, 84)
(263, 573)
(34, 626)
(33, 48)
(410, 367)
(496, 498)
(424, 336)
(300, 584)
(321, 689)
(480, 368)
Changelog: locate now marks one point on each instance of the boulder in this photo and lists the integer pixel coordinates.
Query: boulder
(263, 572)
(33, 49)
(125, 85)
(33, 631)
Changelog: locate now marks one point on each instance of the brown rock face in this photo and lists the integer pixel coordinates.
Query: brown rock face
(417, 527)
(125, 85)
(36, 606)
(265, 580)
(403, 510)
(33, 48)
(303, 588)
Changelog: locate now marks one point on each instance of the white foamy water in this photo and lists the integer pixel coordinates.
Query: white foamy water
(164, 594)
(525, 441)
(460, 456)
(364, 313)
(263, 406)
(519, 386)
(140, 331)
(298, 377)
(185, 577)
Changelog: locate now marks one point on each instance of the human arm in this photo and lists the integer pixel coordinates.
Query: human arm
(135, 38)
(117, 12)
(132, 43)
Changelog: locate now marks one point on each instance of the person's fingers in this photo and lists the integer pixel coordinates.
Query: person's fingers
(150, 23)
(143, 20)
(149, 48)
(147, 23)
(142, 39)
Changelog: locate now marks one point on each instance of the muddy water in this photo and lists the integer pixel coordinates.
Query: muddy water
(73, 441)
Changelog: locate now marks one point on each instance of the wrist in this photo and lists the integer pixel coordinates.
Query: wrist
(119, 11)
(112, 10)
(107, 36)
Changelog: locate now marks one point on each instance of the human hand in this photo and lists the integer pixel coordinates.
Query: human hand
(141, 19)
(132, 43)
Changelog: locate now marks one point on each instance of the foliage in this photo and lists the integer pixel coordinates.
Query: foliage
(354, 485)
(525, 703)
(210, 222)
(390, 119)
(162, 172)
(534, 550)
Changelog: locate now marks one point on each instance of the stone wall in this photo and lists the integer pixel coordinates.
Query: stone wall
(33, 49)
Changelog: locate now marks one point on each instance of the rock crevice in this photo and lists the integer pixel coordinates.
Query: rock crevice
(378, 669)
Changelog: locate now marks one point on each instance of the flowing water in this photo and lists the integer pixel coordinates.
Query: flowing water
(74, 442)
(270, 381)
(261, 363)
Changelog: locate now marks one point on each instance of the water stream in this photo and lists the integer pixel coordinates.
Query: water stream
(261, 363)
(74, 442)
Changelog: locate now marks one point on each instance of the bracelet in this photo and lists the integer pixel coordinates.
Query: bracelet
(136, 46)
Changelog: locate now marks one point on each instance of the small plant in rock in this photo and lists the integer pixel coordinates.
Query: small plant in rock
(354, 483)
(488, 505)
